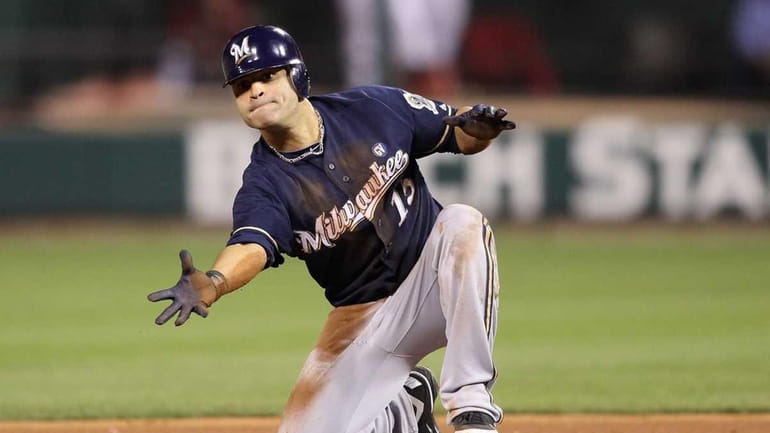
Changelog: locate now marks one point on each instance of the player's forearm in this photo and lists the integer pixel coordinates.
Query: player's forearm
(239, 264)
(468, 144)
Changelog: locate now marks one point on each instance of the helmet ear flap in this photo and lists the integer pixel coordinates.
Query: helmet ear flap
(300, 79)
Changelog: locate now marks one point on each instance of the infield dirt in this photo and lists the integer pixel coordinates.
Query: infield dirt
(702, 423)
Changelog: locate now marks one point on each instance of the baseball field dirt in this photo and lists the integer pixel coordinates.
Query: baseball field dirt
(700, 423)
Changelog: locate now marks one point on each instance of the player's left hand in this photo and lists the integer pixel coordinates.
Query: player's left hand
(194, 292)
(483, 122)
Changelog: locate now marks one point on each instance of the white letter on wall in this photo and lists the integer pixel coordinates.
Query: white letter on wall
(514, 160)
(216, 155)
(517, 165)
(730, 177)
(675, 148)
(613, 181)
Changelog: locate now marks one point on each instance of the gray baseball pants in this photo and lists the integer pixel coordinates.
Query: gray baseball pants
(353, 379)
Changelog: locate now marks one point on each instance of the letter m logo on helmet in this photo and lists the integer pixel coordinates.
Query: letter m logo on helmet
(264, 47)
(240, 53)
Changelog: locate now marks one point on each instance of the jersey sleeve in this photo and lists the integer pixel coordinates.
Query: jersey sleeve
(430, 133)
(260, 217)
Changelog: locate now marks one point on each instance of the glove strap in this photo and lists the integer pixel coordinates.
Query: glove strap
(220, 283)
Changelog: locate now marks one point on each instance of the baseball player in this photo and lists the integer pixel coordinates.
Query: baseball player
(334, 181)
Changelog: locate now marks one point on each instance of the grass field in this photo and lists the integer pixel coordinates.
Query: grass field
(649, 318)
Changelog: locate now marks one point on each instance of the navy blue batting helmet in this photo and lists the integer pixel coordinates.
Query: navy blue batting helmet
(263, 47)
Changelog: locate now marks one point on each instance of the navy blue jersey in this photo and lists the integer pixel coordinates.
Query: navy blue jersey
(358, 213)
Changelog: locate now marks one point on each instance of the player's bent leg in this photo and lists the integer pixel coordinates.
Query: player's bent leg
(353, 381)
(466, 264)
(336, 376)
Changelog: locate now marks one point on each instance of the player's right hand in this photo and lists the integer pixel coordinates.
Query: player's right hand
(483, 122)
(194, 292)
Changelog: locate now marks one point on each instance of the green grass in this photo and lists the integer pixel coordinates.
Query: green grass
(650, 319)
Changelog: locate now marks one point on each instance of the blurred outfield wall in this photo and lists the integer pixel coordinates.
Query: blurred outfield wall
(599, 167)
(606, 169)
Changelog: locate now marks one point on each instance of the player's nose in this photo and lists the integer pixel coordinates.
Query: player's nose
(256, 90)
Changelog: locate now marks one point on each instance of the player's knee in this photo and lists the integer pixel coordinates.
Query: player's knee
(460, 219)
(461, 212)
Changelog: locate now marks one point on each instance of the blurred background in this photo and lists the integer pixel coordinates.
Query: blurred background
(625, 109)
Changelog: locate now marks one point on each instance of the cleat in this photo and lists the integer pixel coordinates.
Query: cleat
(473, 422)
(422, 389)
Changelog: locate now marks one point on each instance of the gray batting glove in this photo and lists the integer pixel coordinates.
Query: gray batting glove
(194, 292)
(483, 122)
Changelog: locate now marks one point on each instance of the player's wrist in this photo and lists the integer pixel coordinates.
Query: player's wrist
(219, 283)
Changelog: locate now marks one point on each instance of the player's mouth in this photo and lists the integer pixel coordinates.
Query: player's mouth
(256, 107)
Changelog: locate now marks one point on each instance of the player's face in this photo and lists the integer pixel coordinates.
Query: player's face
(266, 98)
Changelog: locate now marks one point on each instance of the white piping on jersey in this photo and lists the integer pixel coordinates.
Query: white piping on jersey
(443, 137)
(257, 229)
